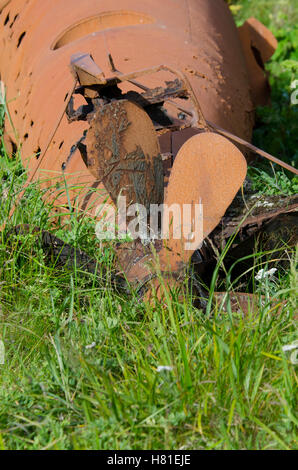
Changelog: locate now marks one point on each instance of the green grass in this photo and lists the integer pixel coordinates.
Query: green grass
(230, 385)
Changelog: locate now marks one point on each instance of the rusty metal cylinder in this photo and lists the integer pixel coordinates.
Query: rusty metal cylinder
(37, 39)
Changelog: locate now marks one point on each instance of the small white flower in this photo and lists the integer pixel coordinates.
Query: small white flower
(162, 368)
(292, 347)
(90, 346)
(262, 274)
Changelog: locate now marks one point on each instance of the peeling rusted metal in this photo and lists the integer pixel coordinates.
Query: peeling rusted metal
(123, 152)
(86, 71)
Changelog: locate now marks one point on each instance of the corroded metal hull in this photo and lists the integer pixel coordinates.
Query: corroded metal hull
(110, 39)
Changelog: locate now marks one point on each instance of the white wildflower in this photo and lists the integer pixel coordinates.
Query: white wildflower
(90, 346)
(292, 347)
(262, 274)
(162, 368)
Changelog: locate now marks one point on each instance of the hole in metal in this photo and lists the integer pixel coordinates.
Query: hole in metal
(13, 22)
(21, 38)
(37, 153)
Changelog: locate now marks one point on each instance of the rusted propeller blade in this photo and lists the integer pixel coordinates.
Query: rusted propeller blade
(207, 171)
(123, 152)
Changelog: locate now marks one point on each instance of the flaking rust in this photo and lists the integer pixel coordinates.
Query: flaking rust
(123, 152)
(129, 98)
